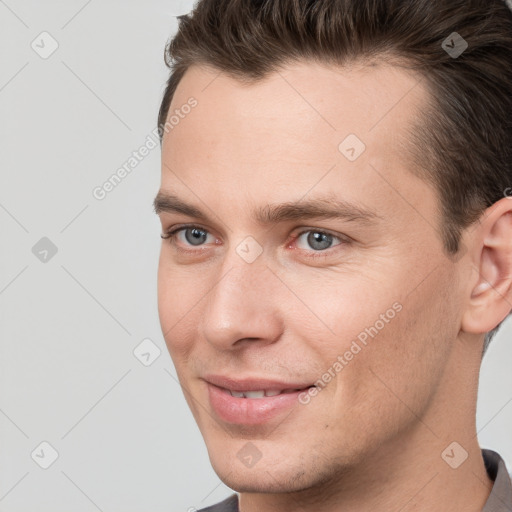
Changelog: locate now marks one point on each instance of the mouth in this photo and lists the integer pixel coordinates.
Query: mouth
(252, 401)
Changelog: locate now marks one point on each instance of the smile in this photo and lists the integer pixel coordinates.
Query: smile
(252, 401)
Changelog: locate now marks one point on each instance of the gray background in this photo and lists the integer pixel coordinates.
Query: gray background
(70, 322)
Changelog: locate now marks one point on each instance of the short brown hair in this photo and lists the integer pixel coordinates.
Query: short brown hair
(462, 142)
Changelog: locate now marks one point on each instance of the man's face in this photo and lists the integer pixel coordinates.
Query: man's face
(365, 306)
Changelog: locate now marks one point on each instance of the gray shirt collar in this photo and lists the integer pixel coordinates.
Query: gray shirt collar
(500, 499)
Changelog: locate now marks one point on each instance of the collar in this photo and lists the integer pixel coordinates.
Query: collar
(500, 499)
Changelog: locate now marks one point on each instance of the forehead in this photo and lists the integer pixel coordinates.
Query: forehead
(284, 136)
(358, 95)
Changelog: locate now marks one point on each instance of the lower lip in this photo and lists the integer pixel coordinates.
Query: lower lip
(250, 411)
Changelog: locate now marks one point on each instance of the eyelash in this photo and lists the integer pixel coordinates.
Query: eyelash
(171, 235)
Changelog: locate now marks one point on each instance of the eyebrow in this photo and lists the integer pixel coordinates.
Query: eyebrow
(318, 208)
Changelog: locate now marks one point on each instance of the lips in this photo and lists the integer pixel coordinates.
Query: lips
(251, 401)
(245, 385)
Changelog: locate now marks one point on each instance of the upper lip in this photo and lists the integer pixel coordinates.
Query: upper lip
(253, 384)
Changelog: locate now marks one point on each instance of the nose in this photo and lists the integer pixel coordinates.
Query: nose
(243, 306)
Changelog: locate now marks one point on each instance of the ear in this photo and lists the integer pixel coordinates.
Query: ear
(490, 299)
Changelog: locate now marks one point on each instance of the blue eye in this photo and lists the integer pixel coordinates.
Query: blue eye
(318, 240)
(194, 235)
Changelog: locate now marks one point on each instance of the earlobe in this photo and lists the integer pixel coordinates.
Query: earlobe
(490, 299)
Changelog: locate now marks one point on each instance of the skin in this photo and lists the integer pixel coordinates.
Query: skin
(372, 439)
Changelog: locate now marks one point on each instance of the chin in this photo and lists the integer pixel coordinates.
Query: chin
(264, 480)
(278, 474)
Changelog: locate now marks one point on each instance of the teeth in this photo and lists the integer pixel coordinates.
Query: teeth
(258, 394)
(254, 394)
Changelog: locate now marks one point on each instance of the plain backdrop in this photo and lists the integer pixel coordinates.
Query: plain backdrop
(80, 86)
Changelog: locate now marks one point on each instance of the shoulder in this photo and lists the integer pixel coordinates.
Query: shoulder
(228, 505)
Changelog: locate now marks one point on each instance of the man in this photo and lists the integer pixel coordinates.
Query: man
(337, 249)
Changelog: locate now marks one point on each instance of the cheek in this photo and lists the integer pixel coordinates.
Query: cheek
(399, 368)
(347, 308)
(394, 345)
(178, 297)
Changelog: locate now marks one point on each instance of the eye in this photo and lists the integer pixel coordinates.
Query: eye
(193, 235)
(317, 240)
